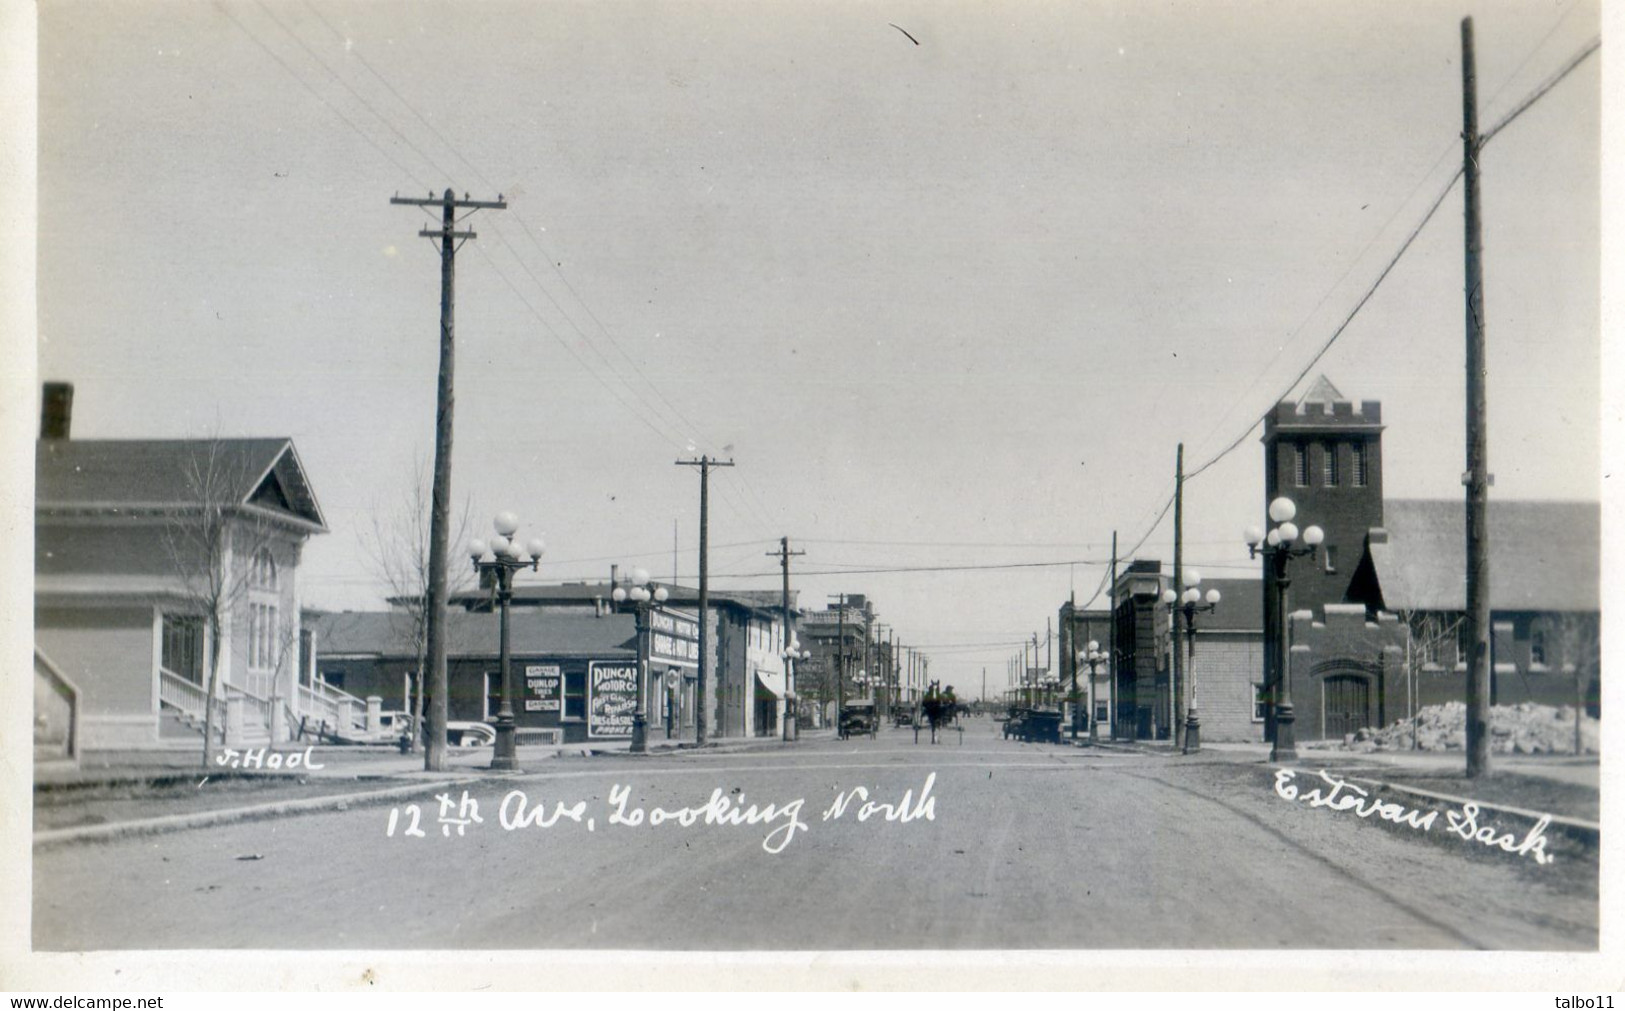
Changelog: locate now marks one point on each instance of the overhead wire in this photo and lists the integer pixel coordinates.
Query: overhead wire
(742, 506)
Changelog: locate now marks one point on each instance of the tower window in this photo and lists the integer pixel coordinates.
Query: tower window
(1300, 464)
(1328, 463)
(1359, 456)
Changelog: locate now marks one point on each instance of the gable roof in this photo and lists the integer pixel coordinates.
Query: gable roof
(1543, 555)
(112, 476)
(475, 633)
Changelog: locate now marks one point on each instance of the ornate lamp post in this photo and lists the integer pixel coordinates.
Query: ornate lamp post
(643, 594)
(1277, 549)
(502, 557)
(1092, 655)
(792, 730)
(1190, 602)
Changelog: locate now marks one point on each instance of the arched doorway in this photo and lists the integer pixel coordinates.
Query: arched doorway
(1350, 696)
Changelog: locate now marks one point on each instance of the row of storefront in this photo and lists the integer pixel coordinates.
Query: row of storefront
(575, 663)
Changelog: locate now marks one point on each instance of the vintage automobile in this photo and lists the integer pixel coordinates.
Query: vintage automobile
(470, 734)
(857, 718)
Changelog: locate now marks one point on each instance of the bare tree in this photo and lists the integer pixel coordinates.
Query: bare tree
(397, 547)
(1579, 650)
(1430, 632)
(200, 539)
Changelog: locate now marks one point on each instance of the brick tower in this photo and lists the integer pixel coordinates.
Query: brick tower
(1327, 457)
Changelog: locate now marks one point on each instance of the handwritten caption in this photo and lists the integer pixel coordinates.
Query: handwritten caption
(1341, 795)
(265, 758)
(784, 820)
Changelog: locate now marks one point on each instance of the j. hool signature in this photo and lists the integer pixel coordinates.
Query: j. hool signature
(516, 811)
(265, 758)
(1341, 795)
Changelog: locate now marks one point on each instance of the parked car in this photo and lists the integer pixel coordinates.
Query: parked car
(470, 734)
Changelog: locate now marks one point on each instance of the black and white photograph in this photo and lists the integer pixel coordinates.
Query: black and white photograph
(848, 494)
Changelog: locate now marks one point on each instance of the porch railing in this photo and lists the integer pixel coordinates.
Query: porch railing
(190, 698)
(333, 706)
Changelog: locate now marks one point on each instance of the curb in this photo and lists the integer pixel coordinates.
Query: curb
(228, 816)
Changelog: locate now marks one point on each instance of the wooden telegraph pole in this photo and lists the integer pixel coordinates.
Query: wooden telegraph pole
(434, 756)
(784, 554)
(705, 463)
(1176, 732)
(1476, 477)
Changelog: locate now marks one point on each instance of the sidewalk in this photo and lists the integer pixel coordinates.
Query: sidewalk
(364, 762)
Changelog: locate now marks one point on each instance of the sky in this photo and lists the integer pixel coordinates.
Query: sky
(948, 282)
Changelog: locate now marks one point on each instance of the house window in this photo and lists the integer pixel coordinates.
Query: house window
(1537, 647)
(264, 635)
(1300, 465)
(264, 649)
(1464, 645)
(1331, 557)
(262, 574)
(493, 696)
(1261, 703)
(1328, 463)
(1359, 458)
(181, 652)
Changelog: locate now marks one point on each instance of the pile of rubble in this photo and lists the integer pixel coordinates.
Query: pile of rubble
(1523, 729)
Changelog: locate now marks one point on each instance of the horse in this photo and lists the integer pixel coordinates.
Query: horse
(939, 712)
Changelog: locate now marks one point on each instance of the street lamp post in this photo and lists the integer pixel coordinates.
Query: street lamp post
(1190, 602)
(502, 557)
(792, 704)
(1092, 655)
(643, 594)
(1277, 549)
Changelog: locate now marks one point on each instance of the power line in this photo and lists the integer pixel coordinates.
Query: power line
(1540, 91)
(322, 99)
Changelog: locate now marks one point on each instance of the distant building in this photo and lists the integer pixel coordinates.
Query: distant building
(840, 639)
(1077, 628)
(1228, 659)
(553, 657)
(746, 643)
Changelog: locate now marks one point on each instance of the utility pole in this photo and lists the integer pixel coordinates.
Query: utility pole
(434, 752)
(784, 554)
(1034, 669)
(840, 659)
(705, 463)
(1111, 648)
(1069, 655)
(1477, 477)
(1176, 731)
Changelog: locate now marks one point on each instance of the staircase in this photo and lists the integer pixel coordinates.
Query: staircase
(182, 712)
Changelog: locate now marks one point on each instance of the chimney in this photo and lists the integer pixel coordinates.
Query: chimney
(56, 411)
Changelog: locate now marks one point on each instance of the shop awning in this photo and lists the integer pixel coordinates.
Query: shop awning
(771, 682)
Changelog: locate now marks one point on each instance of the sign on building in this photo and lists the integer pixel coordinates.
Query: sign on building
(544, 688)
(674, 638)
(612, 698)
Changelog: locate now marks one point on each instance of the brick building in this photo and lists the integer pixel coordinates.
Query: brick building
(1227, 659)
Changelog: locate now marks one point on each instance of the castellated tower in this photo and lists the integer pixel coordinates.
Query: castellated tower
(1327, 458)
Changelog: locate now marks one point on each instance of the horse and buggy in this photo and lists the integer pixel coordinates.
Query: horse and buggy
(939, 711)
